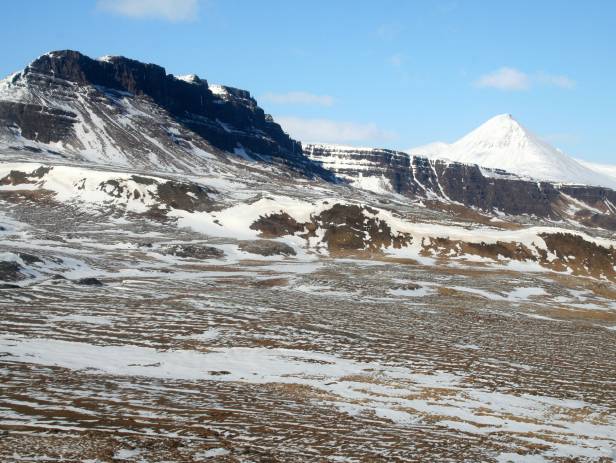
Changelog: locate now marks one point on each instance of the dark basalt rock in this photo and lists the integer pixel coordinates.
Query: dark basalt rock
(466, 184)
(351, 228)
(50, 237)
(276, 225)
(407, 287)
(16, 177)
(91, 281)
(189, 197)
(419, 177)
(193, 251)
(143, 180)
(186, 196)
(9, 286)
(584, 257)
(10, 271)
(444, 247)
(38, 123)
(594, 196)
(229, 121)
(266, 248)
(596, 219)
(29, 259)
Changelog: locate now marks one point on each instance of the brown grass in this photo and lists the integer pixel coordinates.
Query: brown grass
(271, 283)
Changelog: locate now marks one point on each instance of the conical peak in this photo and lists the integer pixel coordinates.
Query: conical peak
(502, 120)
(500, 131)
(505, 116)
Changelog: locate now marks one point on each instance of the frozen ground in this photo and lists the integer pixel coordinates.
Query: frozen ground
(304, 358)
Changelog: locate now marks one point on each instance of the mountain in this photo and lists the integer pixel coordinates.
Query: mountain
(493, 191)
(197, 286)
(503, 143)
(118, 111)
(603, 169)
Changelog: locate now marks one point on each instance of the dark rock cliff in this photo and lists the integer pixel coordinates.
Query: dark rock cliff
(228, 119)
(468, 184)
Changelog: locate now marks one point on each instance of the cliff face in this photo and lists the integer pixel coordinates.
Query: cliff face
(486, 189)
(68, 98)
(118, 111)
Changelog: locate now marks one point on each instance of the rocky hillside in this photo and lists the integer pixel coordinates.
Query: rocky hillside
(119, 111)
(115, 111)
(490, 190)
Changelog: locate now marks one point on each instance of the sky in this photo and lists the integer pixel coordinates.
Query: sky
(395, 74)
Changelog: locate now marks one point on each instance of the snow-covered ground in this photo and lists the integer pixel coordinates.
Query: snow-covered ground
(407, 352)
(98, 189)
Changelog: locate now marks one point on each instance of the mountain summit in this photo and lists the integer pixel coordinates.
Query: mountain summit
(503, 143)
(122, 112)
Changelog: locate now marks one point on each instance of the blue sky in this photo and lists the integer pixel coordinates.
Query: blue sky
(390, 73)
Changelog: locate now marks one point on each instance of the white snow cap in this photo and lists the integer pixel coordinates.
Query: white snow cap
(217, 89)
(106, 58)
(503, 143)
(189, 78)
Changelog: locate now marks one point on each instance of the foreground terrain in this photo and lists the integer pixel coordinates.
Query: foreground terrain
(135, 340)
(181, 281)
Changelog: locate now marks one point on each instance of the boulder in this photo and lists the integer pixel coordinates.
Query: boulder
(90, 281)
(267, 248)
(193, 251)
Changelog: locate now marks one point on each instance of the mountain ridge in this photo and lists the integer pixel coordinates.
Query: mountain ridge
(118, 110)
(502, 142)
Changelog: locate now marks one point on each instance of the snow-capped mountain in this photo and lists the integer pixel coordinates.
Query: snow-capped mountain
(387, 171)
(503, 143)
(121, 112)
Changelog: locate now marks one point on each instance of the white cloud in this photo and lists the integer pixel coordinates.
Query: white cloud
(169, 10)
(512, 79)
(329, 131)
(505, 79)
(555, 80)
(298, 98)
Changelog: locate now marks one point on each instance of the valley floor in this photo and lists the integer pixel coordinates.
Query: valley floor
(293, 359)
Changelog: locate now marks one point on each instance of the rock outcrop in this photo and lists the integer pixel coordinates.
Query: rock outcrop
(105, 109)
(490, 190)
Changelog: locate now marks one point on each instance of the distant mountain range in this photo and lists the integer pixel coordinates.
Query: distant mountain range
(503, 143)
(114, 111)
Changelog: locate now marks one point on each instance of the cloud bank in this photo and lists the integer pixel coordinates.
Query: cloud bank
(168, 10)
(329, 131)
(511, 79)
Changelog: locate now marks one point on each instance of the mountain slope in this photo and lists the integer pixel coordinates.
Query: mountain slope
(490, 190)
(118, 111)
(604, 169)
(503, 143)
